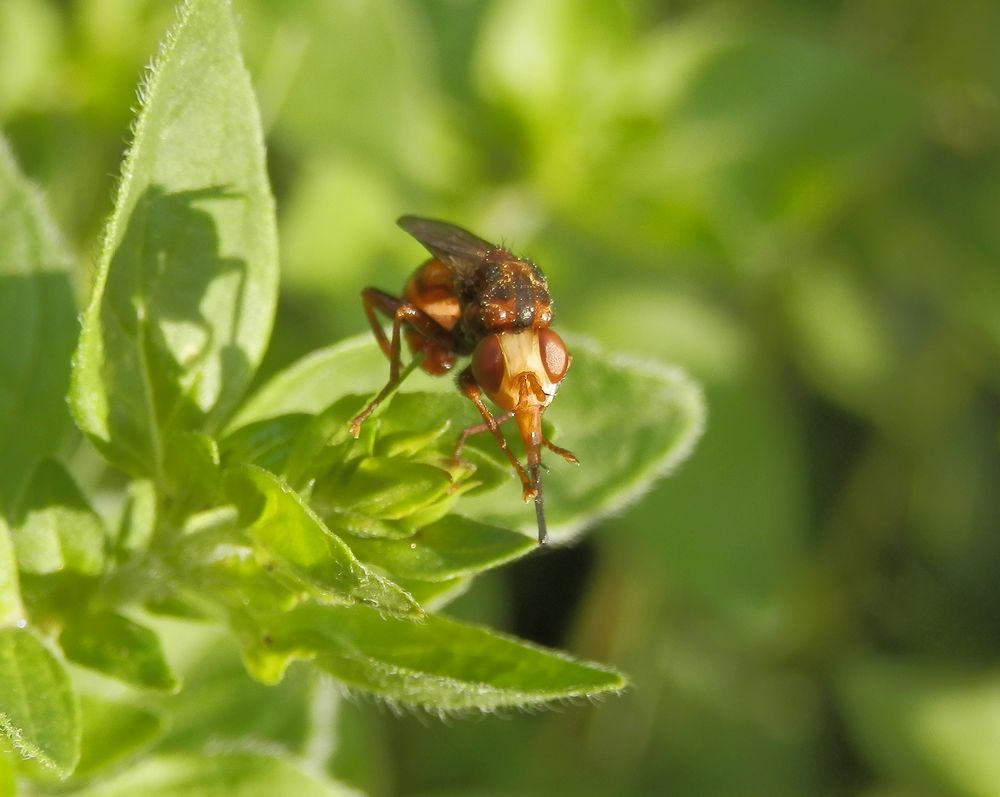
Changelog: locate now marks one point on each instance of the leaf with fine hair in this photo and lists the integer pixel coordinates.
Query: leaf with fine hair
(439, 663)
(39, 713)
(183, 302)
(628, 421)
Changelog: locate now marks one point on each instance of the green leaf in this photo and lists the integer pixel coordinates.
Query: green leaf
(245, 774)
(287, 531)
(231, 575)
(184, 297)
(38, 326)
(192, 469)
(267, 443)
(57, 530)
(113, 733)
(11, 608)
(39, 713)
(628, 421)
(453, 546)
(138, 522)
(8, 771)
(378, 487)
(353, 366)
(118, 647)
(437, 663)
(221, 704)
(323, 439)
(434, 595)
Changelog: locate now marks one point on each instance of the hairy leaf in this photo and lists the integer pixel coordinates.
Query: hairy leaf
(184, 297)
(438, 663)
(39, 713)
(628, 421)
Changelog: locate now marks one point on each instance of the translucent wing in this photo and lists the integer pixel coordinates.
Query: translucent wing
(458, 249)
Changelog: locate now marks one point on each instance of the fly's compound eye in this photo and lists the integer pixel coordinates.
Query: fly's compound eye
(555, 357)
(488, 364)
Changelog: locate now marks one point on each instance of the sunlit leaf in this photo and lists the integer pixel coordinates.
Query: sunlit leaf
(453, 546)
(184, 297)
(285, 528)
(11, 609)
(438, 663)
(388, 489)
(627, 421)
(39, 713)
(57, 529)
(138, 517)
(353, 366)
(435, 595)
(8, 772)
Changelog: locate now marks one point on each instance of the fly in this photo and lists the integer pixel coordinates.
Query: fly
(474, 298)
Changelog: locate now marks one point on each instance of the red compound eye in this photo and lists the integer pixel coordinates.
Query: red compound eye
(488, 364)
(555, 357)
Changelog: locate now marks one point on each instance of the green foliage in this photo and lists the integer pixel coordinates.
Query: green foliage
(39, 711)
(36, 311)
(260, 516)
(438, 663)
(183, 299)
(795, 202)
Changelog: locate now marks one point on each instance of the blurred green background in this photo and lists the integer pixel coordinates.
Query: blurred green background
(799, 203)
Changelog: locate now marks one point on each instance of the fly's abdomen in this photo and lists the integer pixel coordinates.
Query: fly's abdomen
(431, 288)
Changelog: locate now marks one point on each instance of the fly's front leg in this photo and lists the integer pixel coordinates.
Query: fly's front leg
(401, 312)
(569, 456)
(477, 429)
(467, 384)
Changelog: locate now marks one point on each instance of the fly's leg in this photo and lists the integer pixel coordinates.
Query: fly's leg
(401, 312)
(478, 428)
(467, 384)
(569, 456)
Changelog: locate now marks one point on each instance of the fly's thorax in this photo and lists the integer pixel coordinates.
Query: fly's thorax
(507, 294)
(522, 368)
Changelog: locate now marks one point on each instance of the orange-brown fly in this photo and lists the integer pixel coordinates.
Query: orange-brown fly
(475, 298)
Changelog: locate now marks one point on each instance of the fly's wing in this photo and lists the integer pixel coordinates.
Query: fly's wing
(458, 249)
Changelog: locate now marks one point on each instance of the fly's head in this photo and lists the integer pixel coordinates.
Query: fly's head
(520, 370)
